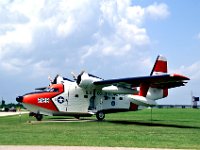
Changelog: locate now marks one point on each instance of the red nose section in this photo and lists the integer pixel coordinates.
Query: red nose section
(19, 99)
(44, 99)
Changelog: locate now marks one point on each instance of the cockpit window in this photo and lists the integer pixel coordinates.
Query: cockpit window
(55, 90)
(51, 90)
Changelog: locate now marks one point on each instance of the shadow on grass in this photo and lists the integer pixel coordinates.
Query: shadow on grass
(66, 119)
(153, 124)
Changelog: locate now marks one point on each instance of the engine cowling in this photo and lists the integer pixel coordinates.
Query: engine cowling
(85, 81)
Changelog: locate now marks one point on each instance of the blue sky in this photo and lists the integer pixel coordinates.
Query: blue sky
(110, 38)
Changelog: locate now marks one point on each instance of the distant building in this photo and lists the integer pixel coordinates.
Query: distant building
(2, 103)
(177, 106)
(194, 101)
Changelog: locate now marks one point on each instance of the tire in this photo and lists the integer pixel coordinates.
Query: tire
(39, 117)
(77, 117)
(32, 114)
(100, 115)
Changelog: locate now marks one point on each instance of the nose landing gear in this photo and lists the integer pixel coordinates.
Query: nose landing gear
(38, 116)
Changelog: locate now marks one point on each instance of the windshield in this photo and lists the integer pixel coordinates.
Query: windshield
(51, 90)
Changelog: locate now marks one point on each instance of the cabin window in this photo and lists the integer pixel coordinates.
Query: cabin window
(85, 96)
(76, 95)
(120, 98)
(113, 98)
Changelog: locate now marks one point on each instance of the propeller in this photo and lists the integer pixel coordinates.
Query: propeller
(50, 79)
(45, 87)
(55, 79)
(78, 80)
(77, 77)
(74, 75)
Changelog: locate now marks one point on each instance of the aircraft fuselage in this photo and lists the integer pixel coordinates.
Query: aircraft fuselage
(69, 99)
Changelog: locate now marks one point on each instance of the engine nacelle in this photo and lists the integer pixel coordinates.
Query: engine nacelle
(85, 81)
(140, 100)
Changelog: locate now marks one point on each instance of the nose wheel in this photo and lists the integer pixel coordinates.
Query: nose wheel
(100, 115)
(38, 116)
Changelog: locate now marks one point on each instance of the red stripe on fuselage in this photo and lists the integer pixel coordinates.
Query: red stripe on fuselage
(165, 92)
(133, 107)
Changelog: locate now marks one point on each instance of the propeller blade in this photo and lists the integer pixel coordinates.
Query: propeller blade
(50, 79)
(74, 75)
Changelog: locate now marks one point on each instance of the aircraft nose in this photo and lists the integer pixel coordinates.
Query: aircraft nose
(19, 99)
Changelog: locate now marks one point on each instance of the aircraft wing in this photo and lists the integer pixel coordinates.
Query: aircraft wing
(156, 81)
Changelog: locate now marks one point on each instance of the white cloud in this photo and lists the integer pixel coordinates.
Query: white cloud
(125, 22)
(198, 36)
(14, 65)
(20, 35)
(157, 11)
(78, 31)
(66, 28)
(136, 14)
(42, 67)
(193, 70)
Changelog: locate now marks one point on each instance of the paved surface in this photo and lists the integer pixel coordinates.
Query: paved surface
(11, 113)
(71, 148)
(45, 121)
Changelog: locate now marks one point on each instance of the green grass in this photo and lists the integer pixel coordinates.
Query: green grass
(169, 128)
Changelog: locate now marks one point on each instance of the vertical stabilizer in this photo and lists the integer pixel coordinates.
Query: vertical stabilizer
(160, 66)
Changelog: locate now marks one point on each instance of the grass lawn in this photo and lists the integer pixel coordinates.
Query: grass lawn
(169, 128)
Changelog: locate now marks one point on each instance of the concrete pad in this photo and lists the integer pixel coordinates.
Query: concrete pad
(11, 113)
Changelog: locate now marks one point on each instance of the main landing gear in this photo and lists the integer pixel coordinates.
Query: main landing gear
(100, 115)
(38, 116)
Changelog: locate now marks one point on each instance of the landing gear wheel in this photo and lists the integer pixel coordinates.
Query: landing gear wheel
(31, 114)
(77, 117)
(39, 117)
(100, 115)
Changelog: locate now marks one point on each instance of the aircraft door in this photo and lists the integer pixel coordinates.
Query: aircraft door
(67, 90)
(92, 104)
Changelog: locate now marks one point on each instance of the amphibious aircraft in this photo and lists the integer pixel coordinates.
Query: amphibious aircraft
(89, 95)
